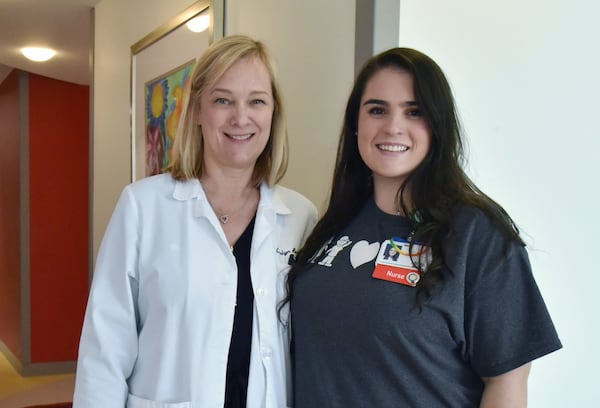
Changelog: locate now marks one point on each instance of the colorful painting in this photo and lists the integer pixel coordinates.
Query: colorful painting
(163, 101)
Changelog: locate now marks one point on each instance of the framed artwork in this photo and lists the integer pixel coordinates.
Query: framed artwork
(161, 67)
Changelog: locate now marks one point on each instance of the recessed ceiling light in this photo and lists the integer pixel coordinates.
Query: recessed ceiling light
(38, 53)
(199, 24)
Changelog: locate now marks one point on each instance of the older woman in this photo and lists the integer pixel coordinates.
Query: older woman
(183, 305)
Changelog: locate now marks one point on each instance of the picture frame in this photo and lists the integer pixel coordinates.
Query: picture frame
(161, 64)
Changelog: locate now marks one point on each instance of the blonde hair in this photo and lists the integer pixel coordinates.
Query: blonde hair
(188, 148)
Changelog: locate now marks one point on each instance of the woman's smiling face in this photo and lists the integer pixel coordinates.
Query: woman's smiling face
(236, 114)
(393, 136)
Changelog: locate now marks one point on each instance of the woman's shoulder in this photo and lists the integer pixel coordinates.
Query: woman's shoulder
(164, 185)
(151, 183)
(470, 218)
(476, 230)
(291, 197)
(478, 244)
(295, 201)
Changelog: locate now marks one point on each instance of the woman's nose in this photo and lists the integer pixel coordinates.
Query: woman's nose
(240, 115)
(395, 123)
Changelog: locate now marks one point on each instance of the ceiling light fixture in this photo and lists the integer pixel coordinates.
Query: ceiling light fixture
(38, 53)
(199, 24)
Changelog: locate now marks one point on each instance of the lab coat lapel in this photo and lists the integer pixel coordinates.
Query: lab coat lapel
(269, 208)
(192, 190)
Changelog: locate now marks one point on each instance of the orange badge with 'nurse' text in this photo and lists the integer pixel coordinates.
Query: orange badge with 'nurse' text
(396, 261)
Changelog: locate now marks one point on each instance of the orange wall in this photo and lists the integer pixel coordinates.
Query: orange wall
(59, 202)
(58, 219)
(10, 298)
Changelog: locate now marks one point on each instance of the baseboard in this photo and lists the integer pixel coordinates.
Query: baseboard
(34, 369)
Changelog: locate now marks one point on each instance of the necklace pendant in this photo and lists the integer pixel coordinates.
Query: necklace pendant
(224, 219)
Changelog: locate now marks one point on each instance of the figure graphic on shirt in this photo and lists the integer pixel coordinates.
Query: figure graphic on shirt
(318, 254)
(332, 252)
(390, 252)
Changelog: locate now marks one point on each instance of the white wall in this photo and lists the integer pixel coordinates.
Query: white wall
(313, 44)
(525, 76)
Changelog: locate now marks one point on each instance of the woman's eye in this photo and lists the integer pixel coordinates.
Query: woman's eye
(414, 113)
(222, 101)
(377, 110)
(258, 102)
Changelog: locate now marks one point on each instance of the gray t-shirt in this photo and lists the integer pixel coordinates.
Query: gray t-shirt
(359, 341)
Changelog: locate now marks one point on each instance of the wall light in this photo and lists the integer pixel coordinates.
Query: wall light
(38, 53)
(199, 24)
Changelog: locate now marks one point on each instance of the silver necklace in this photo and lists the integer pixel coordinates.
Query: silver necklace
(224, 218)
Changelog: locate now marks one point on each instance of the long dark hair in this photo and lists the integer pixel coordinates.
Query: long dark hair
(436, 187)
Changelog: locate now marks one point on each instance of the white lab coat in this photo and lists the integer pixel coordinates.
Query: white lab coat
(160, 313)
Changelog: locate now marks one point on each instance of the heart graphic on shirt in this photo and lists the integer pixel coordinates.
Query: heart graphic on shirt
(363, 252)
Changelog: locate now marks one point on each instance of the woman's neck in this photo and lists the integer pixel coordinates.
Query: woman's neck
(386, 196)
(227, 184)
(234, 201)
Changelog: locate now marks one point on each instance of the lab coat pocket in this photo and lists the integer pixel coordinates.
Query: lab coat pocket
(137, 402)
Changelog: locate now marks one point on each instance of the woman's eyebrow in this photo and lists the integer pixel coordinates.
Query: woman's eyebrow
(375, 102)
(385, 103)
(228, 91)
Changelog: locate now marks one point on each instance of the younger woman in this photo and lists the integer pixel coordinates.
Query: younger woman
(414, 289)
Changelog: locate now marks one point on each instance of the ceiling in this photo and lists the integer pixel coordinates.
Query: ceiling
(64, 25)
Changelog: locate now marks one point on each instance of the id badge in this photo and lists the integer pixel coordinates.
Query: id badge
(394, 262)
